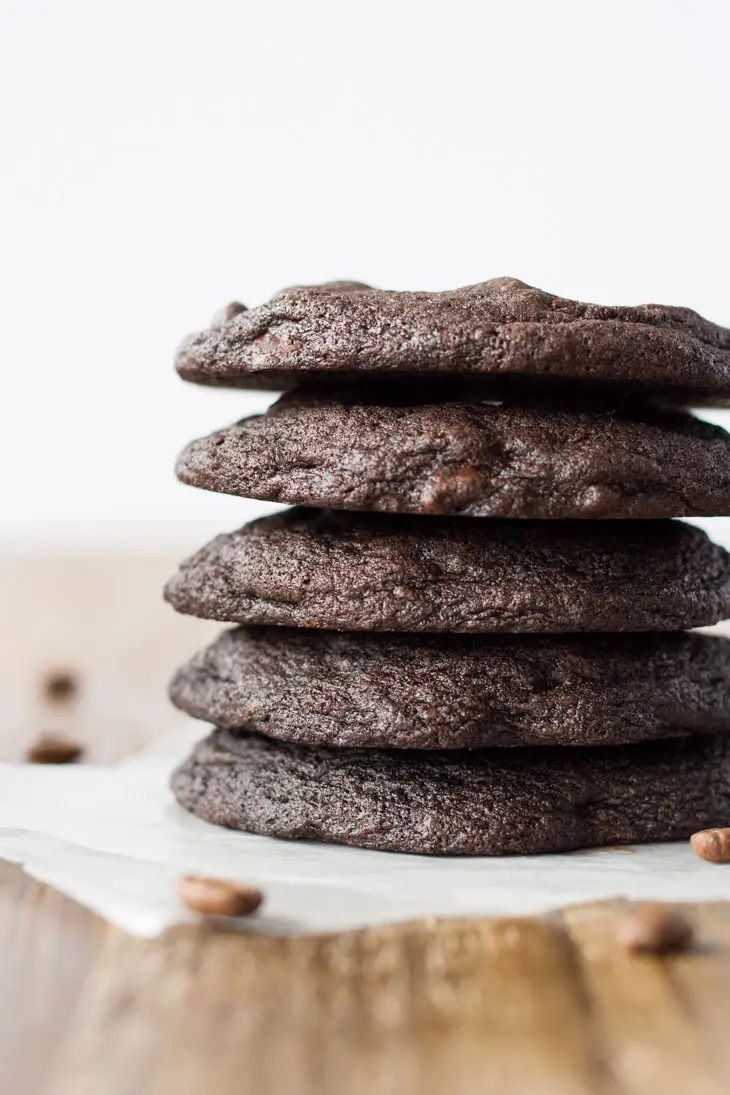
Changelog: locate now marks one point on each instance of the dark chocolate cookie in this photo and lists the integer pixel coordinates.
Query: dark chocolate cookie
(458, 691)
(469, 457)
(370, 572)
(499, 329)
(484, 802)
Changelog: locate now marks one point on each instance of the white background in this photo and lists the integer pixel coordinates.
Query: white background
(162, 158)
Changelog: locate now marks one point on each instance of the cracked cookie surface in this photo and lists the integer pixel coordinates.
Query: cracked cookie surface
(458, 691)
(372, 572)
(468, 457)
(491, 802)
(498, 330)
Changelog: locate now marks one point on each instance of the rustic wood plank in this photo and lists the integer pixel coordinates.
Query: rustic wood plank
(649, 1039)
(701, 982)
(460, 1007)
(48, 946)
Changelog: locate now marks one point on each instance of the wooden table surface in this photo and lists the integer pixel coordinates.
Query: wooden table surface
(540, 1005)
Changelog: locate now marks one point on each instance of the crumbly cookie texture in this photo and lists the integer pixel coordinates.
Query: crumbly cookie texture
(458, 691)
(495, 330)
(468, 457)
(495, 802)
(371, 572)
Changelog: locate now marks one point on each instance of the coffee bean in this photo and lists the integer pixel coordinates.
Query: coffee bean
(50, 749)
(60, 684)
(215, 897)
(227, 313)
(712, 845)
(654, 929)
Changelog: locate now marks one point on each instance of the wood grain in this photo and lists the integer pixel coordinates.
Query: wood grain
(535, 1006)
(547, 1006)
(47, 947)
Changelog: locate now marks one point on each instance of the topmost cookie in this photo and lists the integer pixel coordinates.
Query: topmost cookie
(499, 330)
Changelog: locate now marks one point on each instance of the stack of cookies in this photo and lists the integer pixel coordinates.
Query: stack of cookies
(473, 634)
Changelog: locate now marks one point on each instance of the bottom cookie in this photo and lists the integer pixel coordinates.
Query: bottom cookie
(483, 802)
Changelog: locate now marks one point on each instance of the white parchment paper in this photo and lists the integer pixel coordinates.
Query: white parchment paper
(114, 839)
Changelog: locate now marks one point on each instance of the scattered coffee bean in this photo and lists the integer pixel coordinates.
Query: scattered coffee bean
(50, 749)
(712, 845)
(60, 684)
(655, 929)
(215, 897)
(230, 310)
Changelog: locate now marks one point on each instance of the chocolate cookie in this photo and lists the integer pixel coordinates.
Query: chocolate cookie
(473, 458)
(370, 572)
(485, 802)
(458, 691)
(499, 329)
